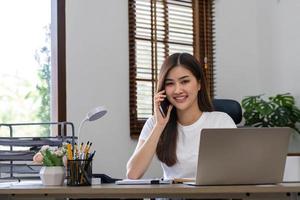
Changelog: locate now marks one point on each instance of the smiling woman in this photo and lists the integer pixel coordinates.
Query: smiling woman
(26, 74)
(174, 138)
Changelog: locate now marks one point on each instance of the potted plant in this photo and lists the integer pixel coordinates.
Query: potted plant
(277, 111)
(52, 159)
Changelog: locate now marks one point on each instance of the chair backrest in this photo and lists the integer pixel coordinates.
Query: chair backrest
(229, 106)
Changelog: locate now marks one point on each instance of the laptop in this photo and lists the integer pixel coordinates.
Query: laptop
(234, 156)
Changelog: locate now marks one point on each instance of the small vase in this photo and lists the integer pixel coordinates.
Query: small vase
(52, 175)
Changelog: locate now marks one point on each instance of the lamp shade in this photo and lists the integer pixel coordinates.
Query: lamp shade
(96, 113)
(92, 115)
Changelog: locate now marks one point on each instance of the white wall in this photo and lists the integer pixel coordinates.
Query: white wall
(97, 74)
(257, 46)
(236, 49)
(256, 52)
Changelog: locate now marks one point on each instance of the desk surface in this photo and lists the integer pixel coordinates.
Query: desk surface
(149, 191)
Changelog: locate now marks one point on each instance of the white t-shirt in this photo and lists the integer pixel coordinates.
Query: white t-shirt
(188, 142)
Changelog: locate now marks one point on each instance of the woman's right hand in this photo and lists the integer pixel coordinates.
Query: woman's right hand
(158, 98)
(145, 149)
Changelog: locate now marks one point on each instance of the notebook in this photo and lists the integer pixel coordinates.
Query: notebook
(154, 181)
(242, 156)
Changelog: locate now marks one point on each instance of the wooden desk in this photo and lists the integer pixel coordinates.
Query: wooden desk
(282, 191)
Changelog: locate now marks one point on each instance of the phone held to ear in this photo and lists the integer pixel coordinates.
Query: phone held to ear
(163, 108)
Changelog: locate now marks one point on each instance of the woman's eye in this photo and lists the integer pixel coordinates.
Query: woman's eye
(168, 83)
(185, 81)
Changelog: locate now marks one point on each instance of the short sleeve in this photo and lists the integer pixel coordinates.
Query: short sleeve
(147, 128)
(218, 119)
(227, 121)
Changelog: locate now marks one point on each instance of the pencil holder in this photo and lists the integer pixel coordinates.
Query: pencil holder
(79, 172)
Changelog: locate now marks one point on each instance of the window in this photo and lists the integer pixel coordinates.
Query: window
(33, 64)
(158, 28)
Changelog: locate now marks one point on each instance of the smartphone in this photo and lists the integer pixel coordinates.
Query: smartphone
(163, 108)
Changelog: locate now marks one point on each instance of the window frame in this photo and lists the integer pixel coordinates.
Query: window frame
(58, 45)
(203, 45)
(58, 64)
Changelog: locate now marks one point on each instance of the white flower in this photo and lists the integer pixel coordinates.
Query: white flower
(59, 152)
(45, 147)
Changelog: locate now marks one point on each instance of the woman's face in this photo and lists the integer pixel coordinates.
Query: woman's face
(182, 88)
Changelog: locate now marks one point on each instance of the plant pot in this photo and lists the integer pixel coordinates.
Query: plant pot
(53, 175)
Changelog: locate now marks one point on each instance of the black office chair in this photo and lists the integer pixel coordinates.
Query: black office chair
(229, 106)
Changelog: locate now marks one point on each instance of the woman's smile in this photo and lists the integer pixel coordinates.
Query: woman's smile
(180, 98)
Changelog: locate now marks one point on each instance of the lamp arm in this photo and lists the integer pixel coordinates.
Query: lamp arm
(80, 126)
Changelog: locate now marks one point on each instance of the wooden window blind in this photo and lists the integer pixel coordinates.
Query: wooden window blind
(157, 29)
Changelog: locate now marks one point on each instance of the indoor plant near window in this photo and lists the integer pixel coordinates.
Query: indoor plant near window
(52, 159)
(277, 111)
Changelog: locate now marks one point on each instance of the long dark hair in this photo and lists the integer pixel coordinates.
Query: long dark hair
(166, 147)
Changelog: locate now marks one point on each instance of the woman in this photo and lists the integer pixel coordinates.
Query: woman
(175, 137)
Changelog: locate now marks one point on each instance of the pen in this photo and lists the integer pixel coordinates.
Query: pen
(86, 150)
(76, 151)
(90, 146)
(87, 144)
(91, 156)
(80, 148)
(89, 160)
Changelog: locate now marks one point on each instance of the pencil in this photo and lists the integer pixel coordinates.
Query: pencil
(69, 151)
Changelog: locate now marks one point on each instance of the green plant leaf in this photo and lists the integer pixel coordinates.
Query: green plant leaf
(279, 110)
(280, 116)
(264, 108)
(51, 159)
(285, 100)
(248, 103)
(252, 118)
(47, 160)
(295, 114)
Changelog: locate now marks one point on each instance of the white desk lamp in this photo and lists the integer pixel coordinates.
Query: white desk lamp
(92, 115)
